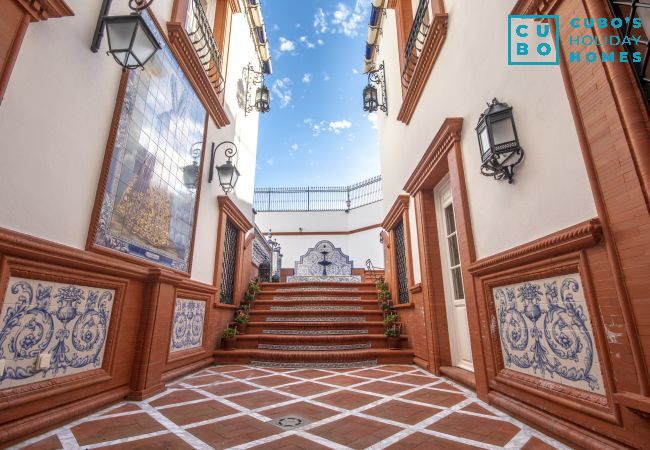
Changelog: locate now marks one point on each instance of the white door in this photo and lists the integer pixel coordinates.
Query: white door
(461, 350)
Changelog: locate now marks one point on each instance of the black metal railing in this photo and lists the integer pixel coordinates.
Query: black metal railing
(635, 15)
(200, 33)
(374, 272)
(415, 42)
(332, 198)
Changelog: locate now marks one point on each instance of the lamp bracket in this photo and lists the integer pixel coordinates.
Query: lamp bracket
(230, 152)
(251, 77)
(377, 77)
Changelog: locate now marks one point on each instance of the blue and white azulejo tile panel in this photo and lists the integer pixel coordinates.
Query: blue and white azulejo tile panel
(187, 328)
(68, 321)
(546, 332)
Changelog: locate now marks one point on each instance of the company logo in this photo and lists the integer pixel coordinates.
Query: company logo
(531, 40)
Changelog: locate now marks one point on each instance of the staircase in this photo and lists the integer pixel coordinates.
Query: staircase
(327, 325)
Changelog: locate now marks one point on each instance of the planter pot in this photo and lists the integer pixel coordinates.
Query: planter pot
(241, 328)
(393, 343)
(229, 343)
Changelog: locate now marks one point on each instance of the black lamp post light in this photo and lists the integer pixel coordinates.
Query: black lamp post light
(498, 142)
(262, 101)
(376, 79)
(227, 172)
(191, 172)
(130, 40)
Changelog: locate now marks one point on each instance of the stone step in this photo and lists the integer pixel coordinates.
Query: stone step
(332, 294)
(311, 327)
(315, 315)
(314, 342)
(318, 303)
(309, 358)
(315, 285)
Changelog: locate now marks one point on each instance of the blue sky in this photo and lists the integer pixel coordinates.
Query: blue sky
(316, 133)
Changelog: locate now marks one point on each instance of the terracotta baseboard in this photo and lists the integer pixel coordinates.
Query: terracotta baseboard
(140, 395)
(557, 428)
(462, 376)
(184, 370)
(39, 423)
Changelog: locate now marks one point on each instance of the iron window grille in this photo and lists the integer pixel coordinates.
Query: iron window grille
(228, 267)
(332, 198)
(200, 33)
(627, 11)
(400, 257)
(415, 42)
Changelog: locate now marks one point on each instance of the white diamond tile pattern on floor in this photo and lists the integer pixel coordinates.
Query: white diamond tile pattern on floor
(239, 407)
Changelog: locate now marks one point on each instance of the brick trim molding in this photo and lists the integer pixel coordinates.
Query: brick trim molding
(182, 48)
(40, 10)
(424, 176)
(535, 6)
(396, 212)
(579, 236)
(432, 47)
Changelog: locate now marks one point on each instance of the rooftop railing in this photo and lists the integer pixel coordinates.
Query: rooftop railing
(332, 198)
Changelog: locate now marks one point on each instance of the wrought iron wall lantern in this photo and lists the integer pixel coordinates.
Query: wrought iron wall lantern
(376, 79)
(227, 172)
(498, 142)
(130, 40)
(191, 172)
(262, 100)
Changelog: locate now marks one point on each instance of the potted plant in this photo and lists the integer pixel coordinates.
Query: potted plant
(248, 297)
(254, 286)
(390, 319)
(392, 336)
(229, 338)
(241, 320)
(381, 285)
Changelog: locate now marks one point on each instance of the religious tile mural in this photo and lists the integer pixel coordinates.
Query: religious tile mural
(187, 327)
(323, 259)
(546, 332)
(149, 199)
(68, 321)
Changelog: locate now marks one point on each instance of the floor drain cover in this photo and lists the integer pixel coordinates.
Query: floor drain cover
(290, 422)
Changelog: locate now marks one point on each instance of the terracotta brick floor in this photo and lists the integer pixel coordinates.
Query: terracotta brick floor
(393, 407)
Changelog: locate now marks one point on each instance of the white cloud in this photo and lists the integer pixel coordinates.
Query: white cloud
(347, 21)
(294, 148)
(326, 77)
(305, 41)
(355, 71)
(286, 45)
(270, 161)
(320, 21)
(306, 78)
(320, 42)
(282, 89)
(312, 163)
(372, 118)
(339, 125)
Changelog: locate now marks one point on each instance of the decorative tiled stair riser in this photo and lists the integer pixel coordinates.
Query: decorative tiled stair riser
(328, 324)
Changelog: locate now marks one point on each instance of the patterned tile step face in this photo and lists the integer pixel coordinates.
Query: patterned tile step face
(310, 348)
(315, 365)
(316, 319)
(259, 407)
(317, 308)
(317, 288)
(317, 299)
(315, 332)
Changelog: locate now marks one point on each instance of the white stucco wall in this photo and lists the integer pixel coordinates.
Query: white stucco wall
(54, 125)
(551, 189)
(358, 245)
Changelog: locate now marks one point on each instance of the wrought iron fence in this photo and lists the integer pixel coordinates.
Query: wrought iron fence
(198, 29)
(415, 43)
(332, 198)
